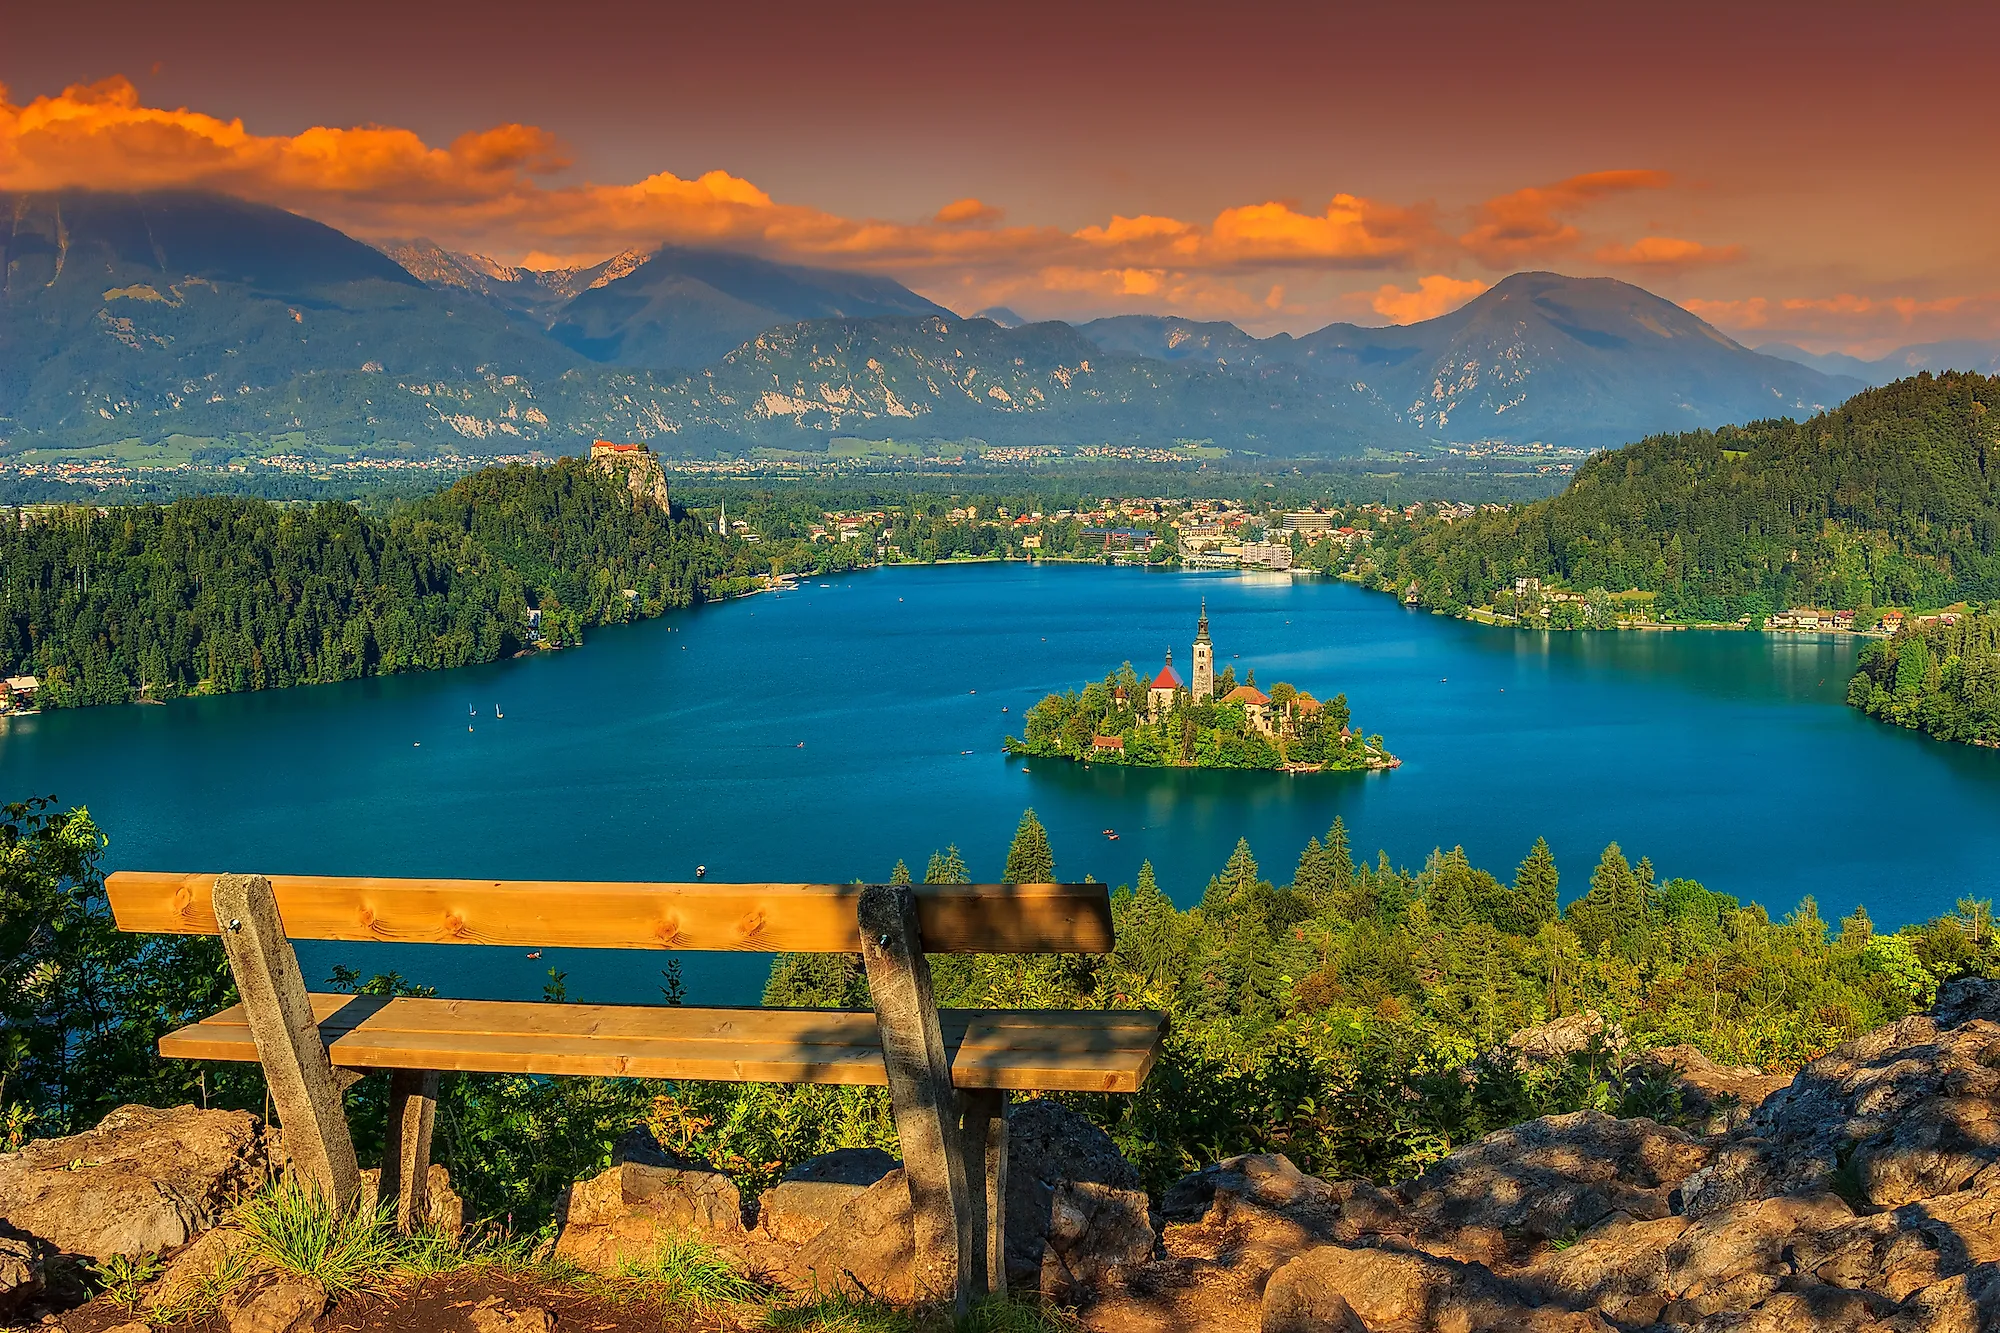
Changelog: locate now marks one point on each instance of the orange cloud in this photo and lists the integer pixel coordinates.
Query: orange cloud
(1667, 252)
(965, 212)
(510, 191)
(1435, 295)
(1533, 224)
(1863, 326)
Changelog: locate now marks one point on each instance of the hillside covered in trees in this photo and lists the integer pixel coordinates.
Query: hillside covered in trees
(218, 594)
(1892, 499)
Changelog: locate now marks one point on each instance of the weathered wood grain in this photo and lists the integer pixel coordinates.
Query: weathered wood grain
(406, 1148)
(532, 914)
(278, 1015)
(1021, 1050)
(920, 1093)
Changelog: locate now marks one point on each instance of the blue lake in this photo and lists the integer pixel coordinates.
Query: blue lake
(1727, 758)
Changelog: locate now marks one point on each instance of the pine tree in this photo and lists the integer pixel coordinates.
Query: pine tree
(947, 867)
(1535, 888)
(1313, 881)
(901, 874)
(1030, 859)
(1339, 853)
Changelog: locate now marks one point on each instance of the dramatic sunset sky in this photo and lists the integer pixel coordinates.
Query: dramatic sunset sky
(1822, 174)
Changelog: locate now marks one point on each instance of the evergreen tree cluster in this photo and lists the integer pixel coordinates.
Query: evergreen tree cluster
(1892, 499)
(1936, 677)
(217, 594)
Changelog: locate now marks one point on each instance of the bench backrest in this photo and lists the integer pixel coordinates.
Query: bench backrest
(767, 918)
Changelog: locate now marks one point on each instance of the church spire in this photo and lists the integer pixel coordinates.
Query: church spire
(1201, 627)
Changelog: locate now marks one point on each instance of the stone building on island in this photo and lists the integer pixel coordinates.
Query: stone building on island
(1160, 694)
(1204, 658)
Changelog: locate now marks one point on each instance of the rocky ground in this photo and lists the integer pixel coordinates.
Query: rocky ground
(1862, 1195)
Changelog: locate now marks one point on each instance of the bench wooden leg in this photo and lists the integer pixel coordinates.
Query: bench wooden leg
(985, 1135)
(920, 1093)
(406, 1151)
(280, 1015)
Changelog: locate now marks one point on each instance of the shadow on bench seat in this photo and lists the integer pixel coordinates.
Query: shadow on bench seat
(1054, 1050)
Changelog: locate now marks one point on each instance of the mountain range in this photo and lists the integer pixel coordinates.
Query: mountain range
(142, 316)
(1981, 357)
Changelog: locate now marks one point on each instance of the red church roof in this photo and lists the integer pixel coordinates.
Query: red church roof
(1168, 679)
(1248, 694)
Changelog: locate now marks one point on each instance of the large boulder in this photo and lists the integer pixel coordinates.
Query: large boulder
(1333, 1288)
(274, 1303)
(645, 1198)
(143, 1181)
(1902, 1114)
(1550, 1179)
(867, 1250)
(809, 1196)
(1076, 1213)
(20, 1273)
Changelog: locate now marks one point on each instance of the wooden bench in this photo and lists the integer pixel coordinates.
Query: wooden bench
(948, 1072)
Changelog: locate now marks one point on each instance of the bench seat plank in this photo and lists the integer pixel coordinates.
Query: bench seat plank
(1017, 1050)
(768, 918)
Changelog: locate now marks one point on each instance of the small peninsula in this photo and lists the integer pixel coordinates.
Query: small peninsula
(1213, 723)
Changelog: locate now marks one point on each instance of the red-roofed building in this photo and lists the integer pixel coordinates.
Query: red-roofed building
(1256, 706)
(1115, 744)
(1160, 694)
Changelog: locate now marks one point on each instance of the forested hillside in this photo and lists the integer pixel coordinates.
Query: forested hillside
(1891, 499)
(219, 594)
(1940, 678)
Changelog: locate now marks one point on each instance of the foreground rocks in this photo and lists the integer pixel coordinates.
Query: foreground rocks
(1077, 1217)
(142, 1182)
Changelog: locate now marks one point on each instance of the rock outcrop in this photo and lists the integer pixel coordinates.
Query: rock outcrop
(646, 1197)
(1862, 1195)
(142, 1182)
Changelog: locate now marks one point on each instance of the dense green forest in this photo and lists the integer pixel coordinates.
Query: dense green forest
(1348, 1016)
(216, 594)
(1222, 732)
(1940, 678)
(1892, 499)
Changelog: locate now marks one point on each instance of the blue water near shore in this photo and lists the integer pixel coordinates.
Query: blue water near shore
(1727, 758)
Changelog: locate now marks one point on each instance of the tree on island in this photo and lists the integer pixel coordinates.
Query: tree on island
(1030, 860)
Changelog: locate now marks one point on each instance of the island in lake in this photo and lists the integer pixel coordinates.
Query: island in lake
(1214, 723)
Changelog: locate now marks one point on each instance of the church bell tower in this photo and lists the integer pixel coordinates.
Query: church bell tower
(1204, 658)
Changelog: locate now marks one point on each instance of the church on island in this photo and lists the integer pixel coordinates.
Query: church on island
(1259, 709)
(1215, 721)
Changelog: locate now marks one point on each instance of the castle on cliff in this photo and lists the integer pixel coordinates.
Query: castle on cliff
(634, 465)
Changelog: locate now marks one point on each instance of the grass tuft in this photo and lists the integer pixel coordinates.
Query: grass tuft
(686, 1273)
(296, 1231)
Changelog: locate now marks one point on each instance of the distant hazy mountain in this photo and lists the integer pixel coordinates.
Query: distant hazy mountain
(534, 294)
(688, 308)
(139, 316)
(142, 314)
(1578, 361)
(952, 378)
(1000, 315)
(1965, 354)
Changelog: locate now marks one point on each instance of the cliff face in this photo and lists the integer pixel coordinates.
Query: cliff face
(1865, 1194)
